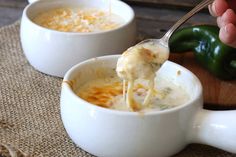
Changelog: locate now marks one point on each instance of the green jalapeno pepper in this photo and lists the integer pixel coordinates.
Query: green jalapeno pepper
(209, 51)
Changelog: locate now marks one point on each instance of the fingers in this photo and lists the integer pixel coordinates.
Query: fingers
(228, 17)
(227, 34)
(226, 20)
(227, 23)
(218, 7)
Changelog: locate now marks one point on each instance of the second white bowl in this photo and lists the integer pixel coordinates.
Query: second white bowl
(53, 52)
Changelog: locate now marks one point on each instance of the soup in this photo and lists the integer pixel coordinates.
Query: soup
(141, 61)
(108, 92)
(78, 20)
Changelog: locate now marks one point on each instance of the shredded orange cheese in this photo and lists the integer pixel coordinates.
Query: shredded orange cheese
(78, 20)
(102, 95)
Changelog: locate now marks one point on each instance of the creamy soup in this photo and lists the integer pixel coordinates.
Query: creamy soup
(108, 92)
(78, 20)
(141, 61)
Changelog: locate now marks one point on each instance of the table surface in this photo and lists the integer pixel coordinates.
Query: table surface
(154, 17)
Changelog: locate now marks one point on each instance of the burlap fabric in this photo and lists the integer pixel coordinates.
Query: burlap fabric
(30, 123)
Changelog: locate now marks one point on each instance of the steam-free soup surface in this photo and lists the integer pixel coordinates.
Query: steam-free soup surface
(108, 93)
(78, 20)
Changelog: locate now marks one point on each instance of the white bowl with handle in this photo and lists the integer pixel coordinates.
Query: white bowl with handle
(112, 133)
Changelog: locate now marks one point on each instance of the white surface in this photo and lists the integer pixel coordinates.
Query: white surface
(54, 52)
(31, 1)
(215, 128)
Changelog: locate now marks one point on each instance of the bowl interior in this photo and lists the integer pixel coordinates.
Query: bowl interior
(105, 66)
(115, 6)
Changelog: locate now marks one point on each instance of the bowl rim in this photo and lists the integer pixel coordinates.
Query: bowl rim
(68, 88)
(38, 2)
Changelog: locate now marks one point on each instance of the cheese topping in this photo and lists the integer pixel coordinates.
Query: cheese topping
(141, 61)
(78, 20)
(107, 92)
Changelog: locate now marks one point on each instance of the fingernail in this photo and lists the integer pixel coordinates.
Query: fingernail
(210, 9)
(214, 9)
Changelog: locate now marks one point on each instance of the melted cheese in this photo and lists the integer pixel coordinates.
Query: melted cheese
(141, 61)
(104, 92)
(101, 93)
(78, 20)
(107, 92)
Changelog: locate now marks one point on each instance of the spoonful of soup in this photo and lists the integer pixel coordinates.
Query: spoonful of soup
(145, 58)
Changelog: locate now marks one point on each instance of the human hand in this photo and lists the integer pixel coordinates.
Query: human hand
(224, 10)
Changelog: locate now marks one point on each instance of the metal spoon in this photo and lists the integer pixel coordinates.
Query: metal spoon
(165, 39)
(160, 48)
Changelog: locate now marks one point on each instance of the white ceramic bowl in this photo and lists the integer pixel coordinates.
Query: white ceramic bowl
(31, 1)
(110, 133)
(53, 52)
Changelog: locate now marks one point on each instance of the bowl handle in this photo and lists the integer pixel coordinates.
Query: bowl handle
(215, 128)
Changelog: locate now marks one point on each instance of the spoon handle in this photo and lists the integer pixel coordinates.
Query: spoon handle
(196, 9)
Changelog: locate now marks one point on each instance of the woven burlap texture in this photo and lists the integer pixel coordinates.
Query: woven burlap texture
(30, 122)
